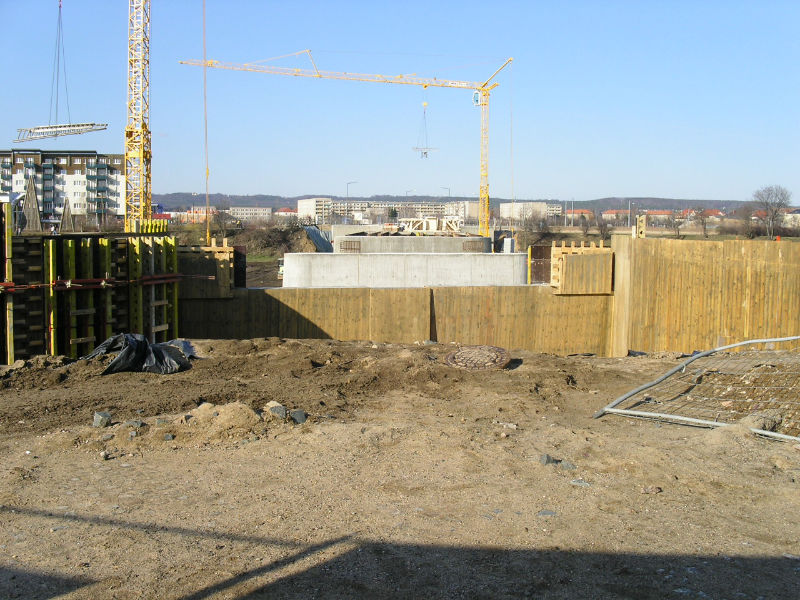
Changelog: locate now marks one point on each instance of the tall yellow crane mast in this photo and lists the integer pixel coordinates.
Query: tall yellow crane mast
(480, 98)
(138, 192)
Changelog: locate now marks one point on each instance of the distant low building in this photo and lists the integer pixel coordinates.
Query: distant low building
(792, 217)
(656, 216)
(285, 213)
(616, 214)
(523, 210)
(250, 213)
(529, 209)
(574, 215)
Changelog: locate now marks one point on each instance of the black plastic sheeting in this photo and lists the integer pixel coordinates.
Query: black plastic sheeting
(138, 355)
(321, 243)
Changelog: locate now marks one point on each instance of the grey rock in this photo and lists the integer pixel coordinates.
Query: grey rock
(567, 466)
(429, 343)
(546, 513)
(135, 423)
(168, 437)
(162, 421)
(276, 409)
(105, 455)
(546, 459)
(132, 434)
(101, 419)
(106, 437)
(298, 415)
(580, 483)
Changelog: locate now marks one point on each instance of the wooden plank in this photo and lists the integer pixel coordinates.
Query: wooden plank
(50, 298)
(135, 316)
(8, 235)
(622, 246)
(87, 296)
(68, 249)
(171, 258)
(106, 297)
(586, 273)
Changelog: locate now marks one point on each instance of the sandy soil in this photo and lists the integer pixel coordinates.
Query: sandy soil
(410, 479)
(263, 274)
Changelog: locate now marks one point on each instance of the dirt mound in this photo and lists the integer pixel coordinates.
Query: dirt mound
(300, 242)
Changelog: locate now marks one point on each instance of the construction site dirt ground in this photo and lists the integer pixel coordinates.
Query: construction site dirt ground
(409, 479)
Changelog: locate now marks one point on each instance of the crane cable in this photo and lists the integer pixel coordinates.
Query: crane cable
(59, 62)
(511, 138)
(205, 124)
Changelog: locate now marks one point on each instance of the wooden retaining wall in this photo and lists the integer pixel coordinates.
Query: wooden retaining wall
(668, 295)
(521, 317)
(682, 296)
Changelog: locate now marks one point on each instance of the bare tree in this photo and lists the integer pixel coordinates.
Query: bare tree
(772, 202)
(745, 213)
(675, 223)
(700, 216)
(602, 226)
(584, 224)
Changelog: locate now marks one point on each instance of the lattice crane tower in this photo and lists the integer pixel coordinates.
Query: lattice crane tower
(138, 193)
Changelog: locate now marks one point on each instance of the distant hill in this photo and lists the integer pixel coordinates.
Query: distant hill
(182, 201)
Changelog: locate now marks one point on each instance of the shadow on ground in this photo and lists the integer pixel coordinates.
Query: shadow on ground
(368, 569)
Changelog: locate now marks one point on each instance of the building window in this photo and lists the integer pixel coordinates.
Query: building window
(76, 161)
(117, 161)
(62, 161)
(19, 160)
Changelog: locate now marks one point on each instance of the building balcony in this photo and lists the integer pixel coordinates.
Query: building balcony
(48, 187)
(6, 176)
(5, 188)
(47, 176)
(94, 165)
(6, 165)
(95, 177)
(47, 166)
(100, 189)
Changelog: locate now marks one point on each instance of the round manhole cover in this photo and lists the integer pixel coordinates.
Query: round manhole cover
(477, 358)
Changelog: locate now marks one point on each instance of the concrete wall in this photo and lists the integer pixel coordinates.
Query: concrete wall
(411, 243)
(318, 270)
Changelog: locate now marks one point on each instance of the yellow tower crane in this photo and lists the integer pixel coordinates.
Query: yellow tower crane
(480, 98)
(138, 191)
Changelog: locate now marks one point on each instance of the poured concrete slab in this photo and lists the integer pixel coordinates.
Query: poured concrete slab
(403, 270)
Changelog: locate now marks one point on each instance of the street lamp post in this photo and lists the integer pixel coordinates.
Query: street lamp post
(348, 189)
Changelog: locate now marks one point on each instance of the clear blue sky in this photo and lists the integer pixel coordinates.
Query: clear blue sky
(680, 99)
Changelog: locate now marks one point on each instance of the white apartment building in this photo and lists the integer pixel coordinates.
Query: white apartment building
(528, 209)
(250, 213)
(327, 210)
(466, 209)
(93, 184)
(519, 211)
